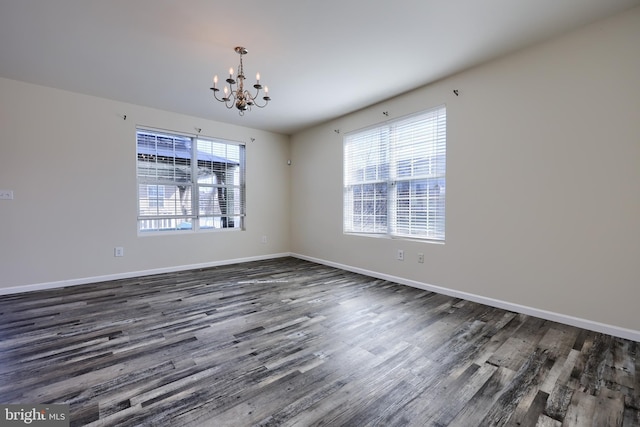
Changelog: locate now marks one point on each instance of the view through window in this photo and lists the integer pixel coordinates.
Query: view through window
(189, 183)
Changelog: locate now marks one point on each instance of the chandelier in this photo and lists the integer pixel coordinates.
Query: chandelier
(237, 95)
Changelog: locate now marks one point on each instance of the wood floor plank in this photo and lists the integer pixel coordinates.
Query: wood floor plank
(451, 398)
(609, 408)
(477, 408)
(561, 390)
(544, 421)
(582, 410)
(534, 411)
(287, 342)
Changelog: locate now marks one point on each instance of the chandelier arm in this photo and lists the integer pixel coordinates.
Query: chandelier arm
(231, 98)
(255, 98)
(215, 94)
(255, 102)
(229, 102)
(265, 98)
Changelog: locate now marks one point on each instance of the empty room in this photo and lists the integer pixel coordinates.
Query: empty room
(413, 213)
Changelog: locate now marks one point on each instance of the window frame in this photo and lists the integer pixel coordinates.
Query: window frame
(382, 159)
(191, 161)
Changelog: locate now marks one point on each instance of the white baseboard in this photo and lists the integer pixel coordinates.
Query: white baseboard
(128, 275)
(616, 331)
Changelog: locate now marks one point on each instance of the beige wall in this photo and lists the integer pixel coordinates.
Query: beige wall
(543, 180)
(70, 160)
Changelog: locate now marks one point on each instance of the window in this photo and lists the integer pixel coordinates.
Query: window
(155, 194)
(394, 177)
(189, 183)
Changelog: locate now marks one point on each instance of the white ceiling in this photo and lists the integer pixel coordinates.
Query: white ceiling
(320, 59)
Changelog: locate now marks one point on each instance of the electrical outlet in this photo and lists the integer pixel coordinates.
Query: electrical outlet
(118, 251)
(263, 240)
(6, 194)
(421, 258)
(400, 255)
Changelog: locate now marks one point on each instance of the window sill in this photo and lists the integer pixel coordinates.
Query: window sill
(183, 232)
(391, 237)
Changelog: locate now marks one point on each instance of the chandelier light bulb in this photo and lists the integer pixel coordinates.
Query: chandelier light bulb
(235, 94)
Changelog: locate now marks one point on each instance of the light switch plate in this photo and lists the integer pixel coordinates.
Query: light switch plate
(6, 194)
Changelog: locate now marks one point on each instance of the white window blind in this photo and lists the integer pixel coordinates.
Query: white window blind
(394, 177)
(221, 185)
(186, 183)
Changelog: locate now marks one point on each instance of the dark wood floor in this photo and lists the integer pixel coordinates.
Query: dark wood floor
(286, 342)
